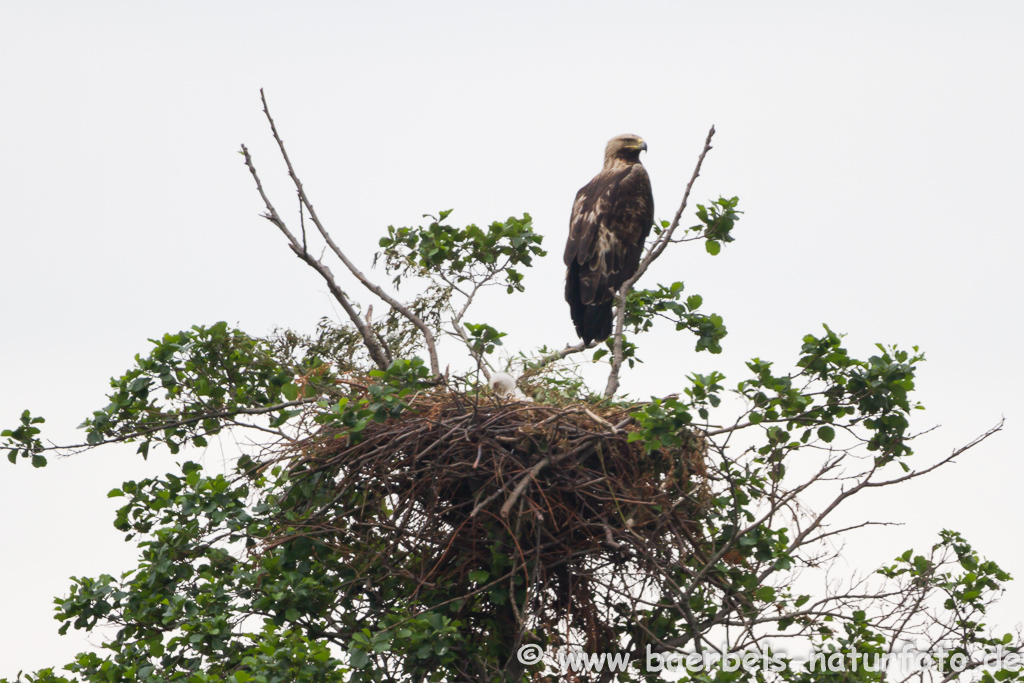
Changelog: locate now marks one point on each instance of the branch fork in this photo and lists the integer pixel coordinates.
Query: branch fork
(377, 352)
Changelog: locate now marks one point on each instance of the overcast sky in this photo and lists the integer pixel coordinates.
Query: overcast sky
(877, 150)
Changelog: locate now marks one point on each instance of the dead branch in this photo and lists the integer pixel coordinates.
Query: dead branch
(428, 335)
(376, 352)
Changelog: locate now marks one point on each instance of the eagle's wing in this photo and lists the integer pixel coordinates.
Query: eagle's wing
(611, 219)
(584, 222)
(634, 215)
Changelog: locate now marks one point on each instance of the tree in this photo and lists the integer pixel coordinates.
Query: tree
(398, 521)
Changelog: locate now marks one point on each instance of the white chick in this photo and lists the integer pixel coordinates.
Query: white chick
(502, 383)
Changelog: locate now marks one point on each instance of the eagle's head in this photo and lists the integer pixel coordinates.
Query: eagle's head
(624, 148)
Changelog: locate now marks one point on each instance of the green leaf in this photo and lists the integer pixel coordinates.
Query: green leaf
(479, 576)
(826, 433)
(358, 659)
(290, 391)
(713, 247)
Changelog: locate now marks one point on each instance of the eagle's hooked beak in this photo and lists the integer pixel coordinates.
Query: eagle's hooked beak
(640, 146)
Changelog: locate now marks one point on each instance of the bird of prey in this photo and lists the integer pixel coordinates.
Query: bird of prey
(611, 218)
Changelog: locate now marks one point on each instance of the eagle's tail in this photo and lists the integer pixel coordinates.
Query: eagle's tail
(592, 321)
(597, 322)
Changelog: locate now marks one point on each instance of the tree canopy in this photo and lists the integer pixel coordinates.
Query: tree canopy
(394, 518)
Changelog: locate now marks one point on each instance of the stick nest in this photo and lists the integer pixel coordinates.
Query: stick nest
(541, 517)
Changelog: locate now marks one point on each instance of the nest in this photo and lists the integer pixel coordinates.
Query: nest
(541, 519)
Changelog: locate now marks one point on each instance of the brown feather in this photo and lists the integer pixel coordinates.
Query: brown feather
(611, 218)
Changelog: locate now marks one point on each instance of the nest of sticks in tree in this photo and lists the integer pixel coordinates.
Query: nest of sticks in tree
(542, 517)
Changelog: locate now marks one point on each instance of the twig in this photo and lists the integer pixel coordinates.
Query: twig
(481, 362)
(559, 355)
(190, 420)
(485, 502)
(302, 225)
(653, 252)
(521, 486)
(601, 421)
(609, 540)
(867, 483)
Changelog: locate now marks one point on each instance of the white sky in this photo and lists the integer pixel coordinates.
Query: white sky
(877, 149)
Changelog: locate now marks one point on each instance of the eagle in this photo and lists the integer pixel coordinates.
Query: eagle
(611, 218)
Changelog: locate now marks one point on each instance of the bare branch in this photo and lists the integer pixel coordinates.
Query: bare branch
(376, 353)
(559, 355)
(428, 335)
(665, 237)
(523, 483)
(866, 483)
(949, 458)
(469, 298)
